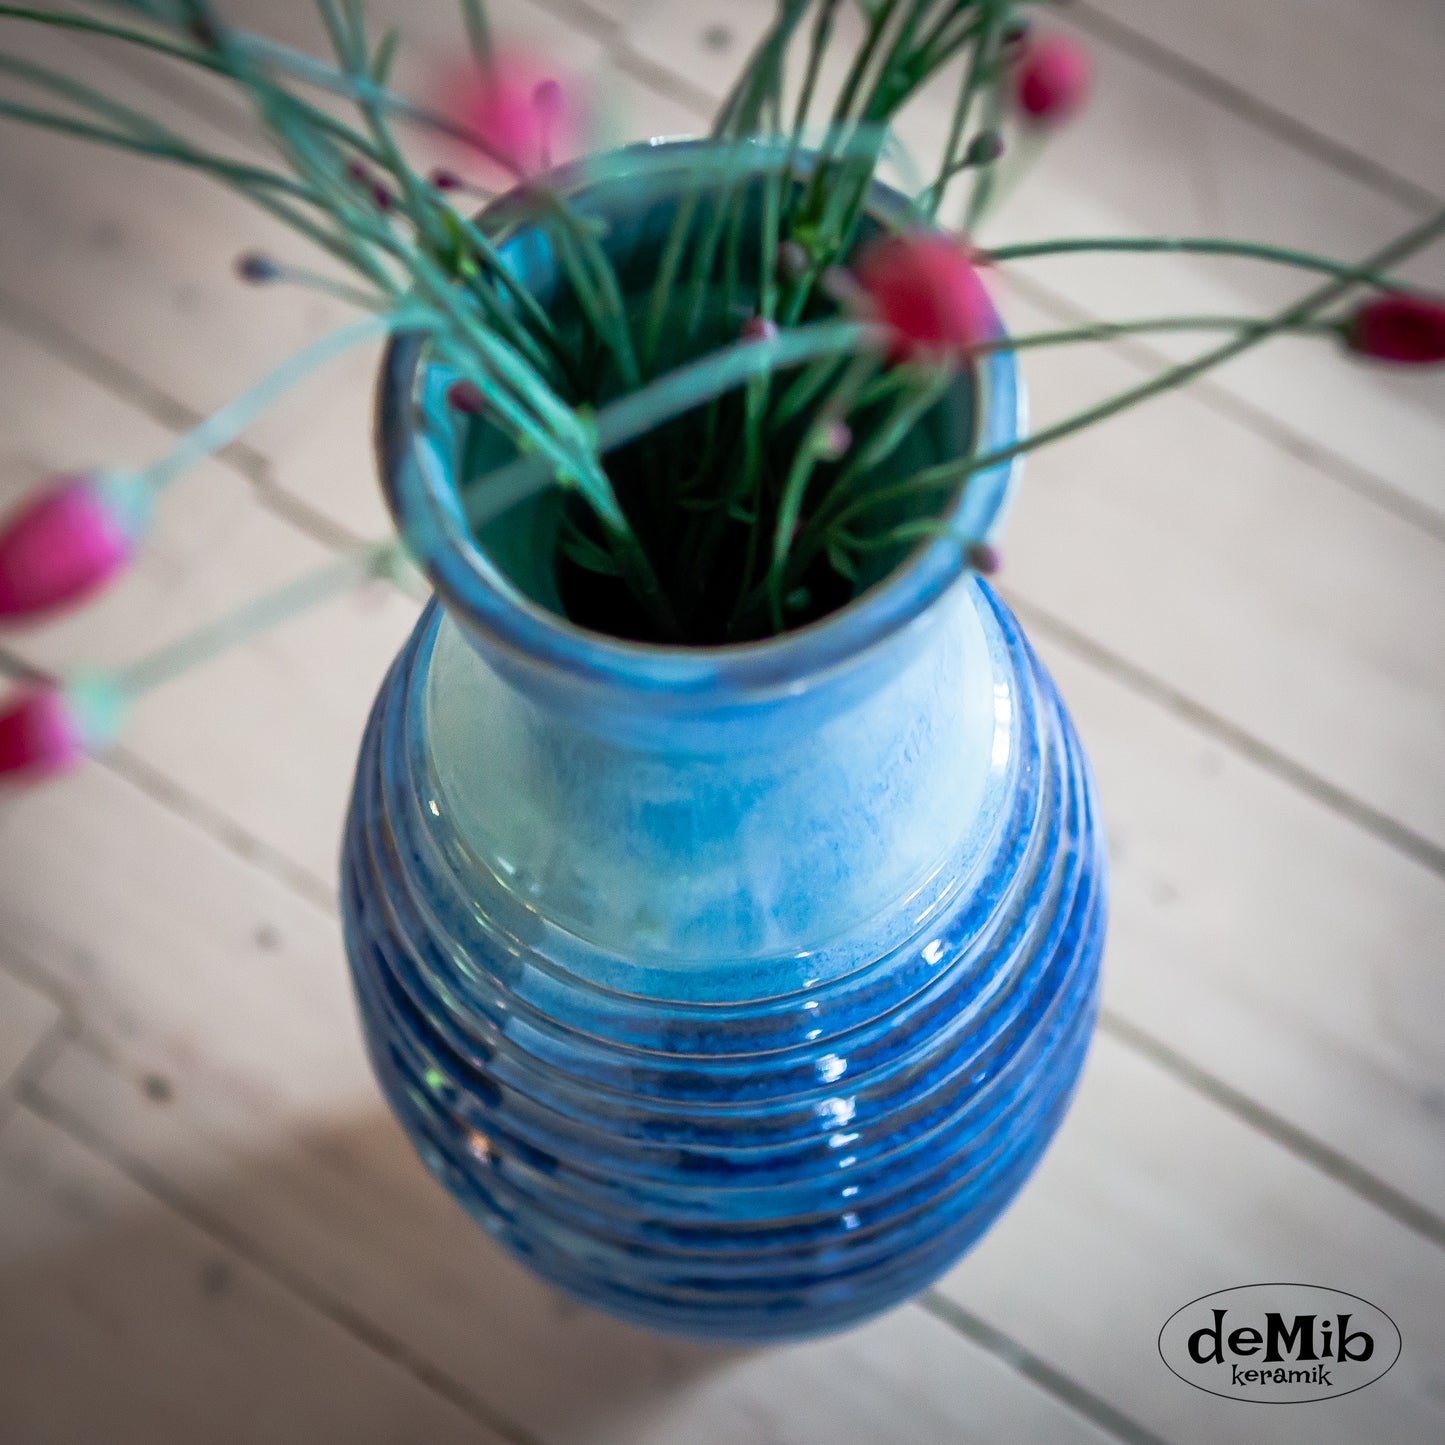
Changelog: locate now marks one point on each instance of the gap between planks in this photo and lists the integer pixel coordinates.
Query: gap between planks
(1097, 1411)
(167, 411)
(1343, 158)
(382, 1342)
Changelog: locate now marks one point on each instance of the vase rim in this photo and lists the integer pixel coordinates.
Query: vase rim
(421, 496)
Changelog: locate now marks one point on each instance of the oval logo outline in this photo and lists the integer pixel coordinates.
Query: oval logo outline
(1282, 1285)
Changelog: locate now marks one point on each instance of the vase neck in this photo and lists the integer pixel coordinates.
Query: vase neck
(712, 828)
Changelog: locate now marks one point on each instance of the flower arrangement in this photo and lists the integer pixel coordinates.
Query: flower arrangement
(727, 437)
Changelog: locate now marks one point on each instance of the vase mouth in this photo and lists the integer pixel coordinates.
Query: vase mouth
(421, 493)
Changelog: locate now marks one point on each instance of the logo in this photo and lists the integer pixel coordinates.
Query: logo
(1279, 1344)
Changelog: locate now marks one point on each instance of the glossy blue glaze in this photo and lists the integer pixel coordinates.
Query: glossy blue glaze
(734, 990)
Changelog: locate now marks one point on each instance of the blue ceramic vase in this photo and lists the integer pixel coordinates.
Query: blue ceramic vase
(734, 990)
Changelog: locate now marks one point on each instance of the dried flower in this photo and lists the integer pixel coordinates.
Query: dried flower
(66, 542)
(1408, 330)
(923, 287)
(1051, 79)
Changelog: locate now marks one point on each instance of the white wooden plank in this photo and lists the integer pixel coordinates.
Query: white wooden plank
(1364, 73)
(1235, 572)
(121, 1322)
(234, 1072)
(1269, 940)
(1152, 1197)
(26, 1016)
(94, 240)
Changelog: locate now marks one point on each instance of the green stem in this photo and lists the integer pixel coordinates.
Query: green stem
(810, 452)
(933, 197)
(669, 396)
(226, 425)
(1188, 245)
(175, 658)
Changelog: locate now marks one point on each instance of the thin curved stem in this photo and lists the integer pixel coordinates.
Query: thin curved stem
(669, 396)
(246, 622)
(1304, 310)
(1187, 245)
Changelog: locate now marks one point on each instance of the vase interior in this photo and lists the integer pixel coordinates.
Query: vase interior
(633, 209)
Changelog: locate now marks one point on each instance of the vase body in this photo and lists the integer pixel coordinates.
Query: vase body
(735, 991)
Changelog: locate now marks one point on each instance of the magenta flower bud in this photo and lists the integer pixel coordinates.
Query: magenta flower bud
(47, 731)
(923, 288)
(793, 260)
(836, 441)
(445, 180)
(983, 558)
(466, 397)
(517, 112)
(67, 541)
(1051, 81)
(549, 100)
(1407, 330)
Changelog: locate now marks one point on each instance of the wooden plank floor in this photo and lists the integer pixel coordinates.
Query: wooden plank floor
(210, 1228)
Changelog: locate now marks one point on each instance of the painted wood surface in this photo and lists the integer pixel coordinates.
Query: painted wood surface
(27, 1019)
(1267, 1093)
(109, 1301)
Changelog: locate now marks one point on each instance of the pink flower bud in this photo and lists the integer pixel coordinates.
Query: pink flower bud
(1408, 330)
(520, 113)
(466, 397)
(47, 731)
(38, 737)
(759, 328)
(1051, 80)
(983, 558)
(836, 441)
(66, 542)
(925, 290)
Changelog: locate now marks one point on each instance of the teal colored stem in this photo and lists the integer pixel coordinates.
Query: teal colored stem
(1187, 245)
(240, 626)
(227, 424)
(670, 396)
(326, 77)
